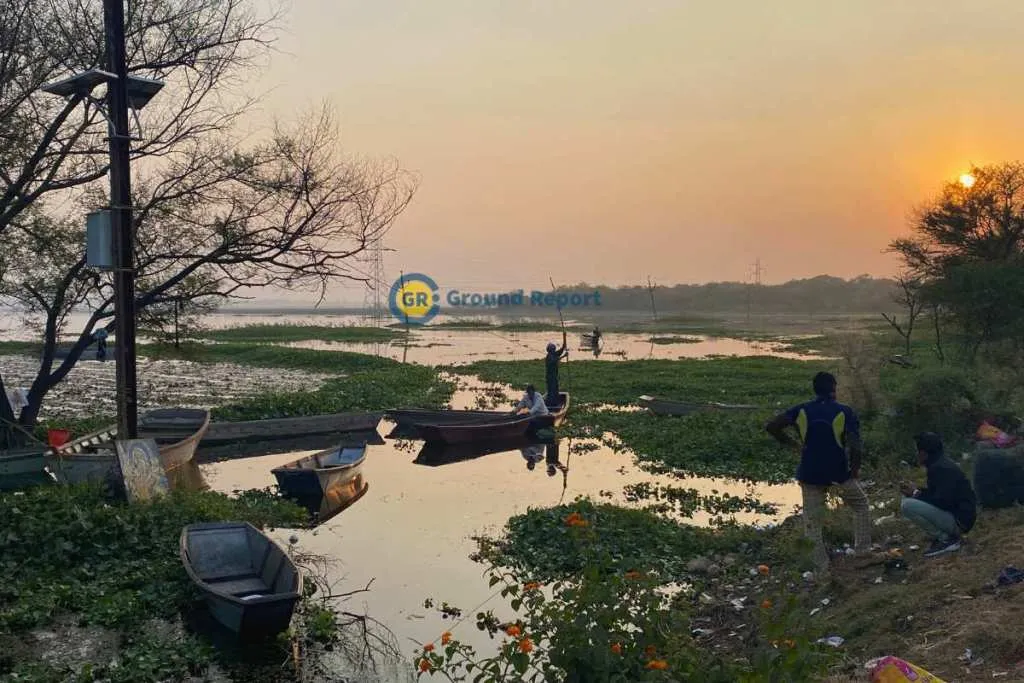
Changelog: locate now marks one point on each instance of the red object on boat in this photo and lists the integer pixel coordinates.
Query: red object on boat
(57, 437)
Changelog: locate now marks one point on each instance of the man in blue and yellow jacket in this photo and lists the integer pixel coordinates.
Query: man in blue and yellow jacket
(830, 457)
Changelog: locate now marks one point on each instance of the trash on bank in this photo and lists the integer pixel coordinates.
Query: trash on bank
(833, 641)
(895, 670)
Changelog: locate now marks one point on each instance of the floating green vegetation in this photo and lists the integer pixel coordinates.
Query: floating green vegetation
(686, 502)
(269, 356)
(544, 543)
(761, 380)
(381, 388)
(280, 332)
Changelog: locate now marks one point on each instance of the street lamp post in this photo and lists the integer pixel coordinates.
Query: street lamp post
(121, 213)
(123, 92)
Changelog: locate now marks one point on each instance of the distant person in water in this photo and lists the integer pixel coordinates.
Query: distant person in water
(101, 343)
(531, 402)
(828, 429)
(555, 355)
(947, 507)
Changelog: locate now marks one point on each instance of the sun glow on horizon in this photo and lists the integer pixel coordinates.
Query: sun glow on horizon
(967, 180)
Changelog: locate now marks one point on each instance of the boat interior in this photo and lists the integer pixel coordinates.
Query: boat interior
(335, 458)
(238, 562)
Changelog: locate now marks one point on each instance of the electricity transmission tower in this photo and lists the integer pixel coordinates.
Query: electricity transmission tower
(757, 272)
(374, 304)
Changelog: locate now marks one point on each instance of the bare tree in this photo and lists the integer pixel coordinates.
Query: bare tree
(199, 47)
(213, 223)
(911, 299)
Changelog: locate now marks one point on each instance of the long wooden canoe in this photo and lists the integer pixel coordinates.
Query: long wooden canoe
(660, 406)
(249, 583)
(408, 417)
(260, 430)
(509, 428)
(94, 457)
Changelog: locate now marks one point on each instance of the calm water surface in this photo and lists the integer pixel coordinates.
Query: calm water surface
(411, 532)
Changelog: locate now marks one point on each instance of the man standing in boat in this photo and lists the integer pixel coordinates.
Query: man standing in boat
(555, 355)
(828, 429)
(531, 402)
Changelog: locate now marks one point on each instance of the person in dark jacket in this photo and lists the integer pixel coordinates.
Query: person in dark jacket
(555, 355)
(947, 507)
(830, 457)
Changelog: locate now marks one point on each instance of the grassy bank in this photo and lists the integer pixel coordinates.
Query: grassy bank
(107, 575)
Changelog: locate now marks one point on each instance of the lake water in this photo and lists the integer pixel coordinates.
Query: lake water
(411, 533)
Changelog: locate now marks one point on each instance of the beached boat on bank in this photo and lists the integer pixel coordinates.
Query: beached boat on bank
(249, 583)
(23, 467)
(94, 457)
(169, 420)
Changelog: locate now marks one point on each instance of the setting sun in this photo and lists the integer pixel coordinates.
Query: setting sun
(967, 180)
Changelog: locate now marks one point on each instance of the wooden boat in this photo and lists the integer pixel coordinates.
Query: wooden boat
(171, 419)
(94, 457)
(23, 467)
(408, 417)
(553, 419)
(660, 406)
(249, 583)
(508, 428)
(319, 474)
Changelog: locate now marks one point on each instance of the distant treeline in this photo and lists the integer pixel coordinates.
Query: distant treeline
(815, 295)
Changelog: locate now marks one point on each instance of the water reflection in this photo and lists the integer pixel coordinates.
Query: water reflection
(441, 346)
(413, 533)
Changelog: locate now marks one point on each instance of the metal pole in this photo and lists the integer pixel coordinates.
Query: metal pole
(121, 212)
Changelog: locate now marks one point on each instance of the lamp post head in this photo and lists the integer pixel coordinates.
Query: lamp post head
(140, 90)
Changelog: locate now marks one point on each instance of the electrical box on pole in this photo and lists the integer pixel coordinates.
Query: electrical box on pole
(99, 236)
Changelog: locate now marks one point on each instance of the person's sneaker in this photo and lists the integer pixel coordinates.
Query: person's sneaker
(942, 547)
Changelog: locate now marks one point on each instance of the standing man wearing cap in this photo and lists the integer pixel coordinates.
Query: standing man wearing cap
(828, 429)
(947, 507)
(555, 355)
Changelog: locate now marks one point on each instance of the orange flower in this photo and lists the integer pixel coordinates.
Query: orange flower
(575, 519)
(446, 637)
(633, 575)
(429, 647)
(659, 664)
(763, 569)
(617, 648)
(650, 650)
(513, 631)
(526, 646)
(531, 586)
(767, 604)
(424, 665)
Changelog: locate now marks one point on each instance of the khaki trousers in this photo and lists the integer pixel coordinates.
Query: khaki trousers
(814, 514)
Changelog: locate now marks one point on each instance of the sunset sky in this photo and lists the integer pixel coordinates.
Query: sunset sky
(610, 140)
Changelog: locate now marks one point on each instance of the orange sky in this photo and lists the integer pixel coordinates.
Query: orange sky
(609, 140)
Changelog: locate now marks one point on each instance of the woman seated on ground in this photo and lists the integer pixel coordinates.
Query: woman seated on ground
(947, 507)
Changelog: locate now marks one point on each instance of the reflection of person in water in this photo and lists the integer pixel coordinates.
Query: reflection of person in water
(553, 462)
(532, 454)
